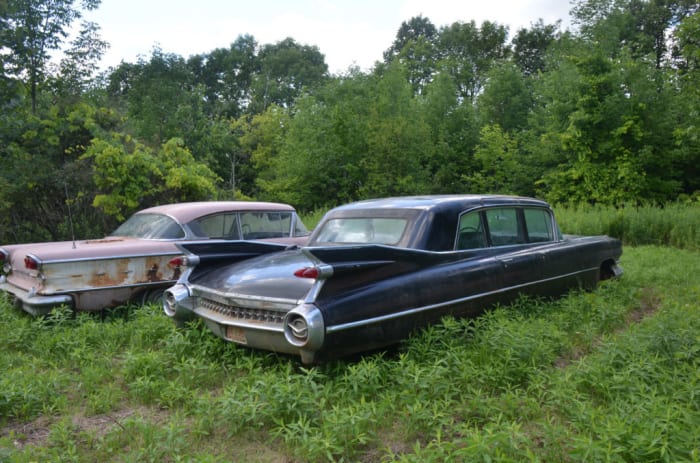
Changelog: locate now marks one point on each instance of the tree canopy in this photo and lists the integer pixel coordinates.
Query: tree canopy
(605, 112)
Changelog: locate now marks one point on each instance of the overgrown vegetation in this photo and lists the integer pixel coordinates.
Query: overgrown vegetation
(675, 224)
(609, 375)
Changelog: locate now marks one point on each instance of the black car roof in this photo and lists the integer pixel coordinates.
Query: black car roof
(441, 202)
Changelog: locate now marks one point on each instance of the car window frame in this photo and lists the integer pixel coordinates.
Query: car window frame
(555, 233)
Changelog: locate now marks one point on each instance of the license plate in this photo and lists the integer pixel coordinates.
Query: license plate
(236, 334)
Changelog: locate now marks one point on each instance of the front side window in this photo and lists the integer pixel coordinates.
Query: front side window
(362, 230)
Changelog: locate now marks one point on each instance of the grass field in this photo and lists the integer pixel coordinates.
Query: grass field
(610, 375)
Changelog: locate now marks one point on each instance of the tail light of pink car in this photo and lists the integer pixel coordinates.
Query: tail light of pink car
(5, 266)
(31, 262)
(184, 261)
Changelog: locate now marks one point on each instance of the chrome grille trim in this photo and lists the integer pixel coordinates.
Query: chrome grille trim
(242, 313)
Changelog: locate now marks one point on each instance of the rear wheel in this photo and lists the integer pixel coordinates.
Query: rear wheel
(606, 272)
(153, 296)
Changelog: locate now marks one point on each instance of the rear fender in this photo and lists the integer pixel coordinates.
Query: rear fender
(374, 282)
(342, 268)
(205, 256)
(211, 251)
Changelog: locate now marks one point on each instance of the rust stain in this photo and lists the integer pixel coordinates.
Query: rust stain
(153, 273)
(110, 273)
(104, 240)
(125, 271)
(152, 269)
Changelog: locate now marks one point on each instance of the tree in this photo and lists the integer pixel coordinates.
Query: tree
(612, 134)
(260, 139)
(35, 29)
(227, 75)
(641, 26)
(162, 98)
(81, 61)
(415, 28)
(286, 69)
(319, 163)
(507, 98)
(499, 170)
(414, 48)
(687, 139)
(467, 52)
(130, 176)
(43, 176)
(530, 46)
(454, 134)
(398, 141)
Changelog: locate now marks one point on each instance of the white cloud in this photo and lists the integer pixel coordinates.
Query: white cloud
(346, 32)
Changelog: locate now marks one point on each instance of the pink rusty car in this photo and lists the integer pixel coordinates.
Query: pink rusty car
(137, 262)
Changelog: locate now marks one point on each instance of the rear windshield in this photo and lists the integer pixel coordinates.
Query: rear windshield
(150, 227)
(362, 230)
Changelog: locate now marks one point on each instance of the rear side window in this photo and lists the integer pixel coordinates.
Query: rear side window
(539, 225)
(219, 226)
(150, 227)
(471, 232)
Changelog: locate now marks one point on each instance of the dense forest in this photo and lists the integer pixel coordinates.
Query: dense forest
(606, 112)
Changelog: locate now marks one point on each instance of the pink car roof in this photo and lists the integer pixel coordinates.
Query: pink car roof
(186, 212)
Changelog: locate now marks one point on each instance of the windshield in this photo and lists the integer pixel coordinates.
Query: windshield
(150, 227)
(362, 230)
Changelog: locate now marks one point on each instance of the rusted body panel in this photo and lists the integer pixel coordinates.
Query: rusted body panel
(110, 280)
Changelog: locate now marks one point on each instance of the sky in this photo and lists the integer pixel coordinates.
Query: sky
(347, 32)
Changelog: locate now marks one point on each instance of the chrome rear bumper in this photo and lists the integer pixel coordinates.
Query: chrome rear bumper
(33, 304)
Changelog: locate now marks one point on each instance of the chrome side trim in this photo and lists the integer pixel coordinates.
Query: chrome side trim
(415, 310)
(91, 259)
(107, 288)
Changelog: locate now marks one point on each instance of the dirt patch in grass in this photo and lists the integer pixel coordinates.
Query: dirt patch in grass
(36, 432)
(33, 433)
(649, 304)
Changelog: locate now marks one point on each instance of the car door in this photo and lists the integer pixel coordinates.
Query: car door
(557, 270)
(521, 263)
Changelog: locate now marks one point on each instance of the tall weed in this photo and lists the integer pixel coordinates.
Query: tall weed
(674, 224)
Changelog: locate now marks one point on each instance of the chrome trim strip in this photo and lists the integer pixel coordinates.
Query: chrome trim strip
(225, 321)
(32, 299)
(415, 310)
(91, 259)
(256, 302)
(102, 288)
